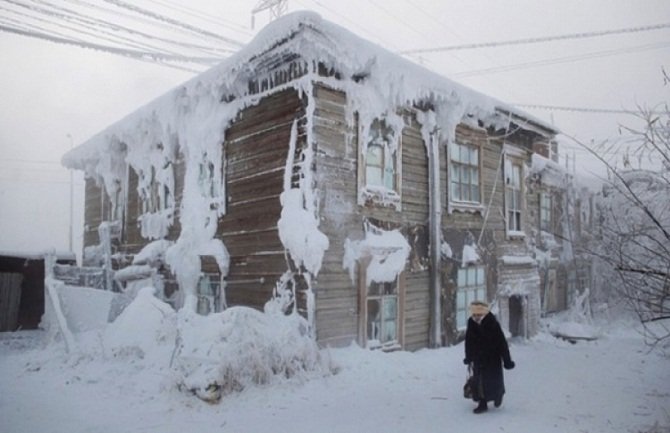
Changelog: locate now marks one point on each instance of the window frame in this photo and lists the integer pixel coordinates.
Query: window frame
(546, 217)
(380, 194)
(363, 290)
(465, 167)
(513, 158)
(382, 298)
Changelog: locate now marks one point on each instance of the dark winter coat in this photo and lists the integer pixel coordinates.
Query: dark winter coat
(486, 347)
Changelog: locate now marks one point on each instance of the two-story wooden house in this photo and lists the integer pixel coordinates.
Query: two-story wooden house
(320, 172)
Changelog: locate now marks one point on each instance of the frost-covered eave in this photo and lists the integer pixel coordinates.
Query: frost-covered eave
(317, 42)
(525, 121)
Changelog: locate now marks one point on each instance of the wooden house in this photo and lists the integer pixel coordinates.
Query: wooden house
(317, 172)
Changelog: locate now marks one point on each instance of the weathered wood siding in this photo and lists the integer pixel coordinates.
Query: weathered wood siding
(338, 312)
(256, 148)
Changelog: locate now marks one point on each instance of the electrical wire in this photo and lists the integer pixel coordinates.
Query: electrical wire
(540, 39)
(567, 59)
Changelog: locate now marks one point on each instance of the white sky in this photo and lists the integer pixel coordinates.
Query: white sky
(51, 92)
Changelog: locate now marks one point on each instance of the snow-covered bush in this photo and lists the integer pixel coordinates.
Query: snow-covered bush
(229, 351)
(146, 329)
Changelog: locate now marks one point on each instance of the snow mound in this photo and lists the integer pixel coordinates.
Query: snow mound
(145, 329)
(239, 347)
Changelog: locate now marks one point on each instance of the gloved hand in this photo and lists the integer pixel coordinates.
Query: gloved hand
(509, 364)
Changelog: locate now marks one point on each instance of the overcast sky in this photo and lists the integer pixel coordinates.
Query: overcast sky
(55, 95)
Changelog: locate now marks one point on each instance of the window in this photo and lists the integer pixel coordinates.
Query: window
(379, 165)
(209, 293)
(465, 186)
(471, 287)
(545, 212)
(382, 314)
(513, 196)
(155, 195)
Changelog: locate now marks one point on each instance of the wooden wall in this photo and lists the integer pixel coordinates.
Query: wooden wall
(256, 147)
(337, 303)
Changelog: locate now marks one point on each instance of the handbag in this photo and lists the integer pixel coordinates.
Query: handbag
(471, 388)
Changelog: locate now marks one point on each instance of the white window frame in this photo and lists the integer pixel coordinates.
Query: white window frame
(514, 212)
(470, 286)
(378, 334)
(459, 152)
(387, 192)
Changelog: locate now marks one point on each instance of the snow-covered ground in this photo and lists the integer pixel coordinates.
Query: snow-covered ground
(613, 384)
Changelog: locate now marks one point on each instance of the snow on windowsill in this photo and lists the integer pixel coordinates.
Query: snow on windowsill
(518, 260)
(515, 234)
(379, 196)
(466, 207)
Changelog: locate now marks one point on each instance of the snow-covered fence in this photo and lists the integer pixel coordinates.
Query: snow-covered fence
(83, 276)
(69, 310)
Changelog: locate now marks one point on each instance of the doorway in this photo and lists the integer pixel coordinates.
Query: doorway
(516, 316)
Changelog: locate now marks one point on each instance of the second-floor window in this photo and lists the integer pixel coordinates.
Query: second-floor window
(381, 165)
(545, 212)
(513, 196)
(464, 167)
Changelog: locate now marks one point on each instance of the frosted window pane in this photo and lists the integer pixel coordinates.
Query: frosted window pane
(461, 278)
(461, 302)
(374, 320)
(461, 319)
(480, 275)
(373, 175)
(470, 281)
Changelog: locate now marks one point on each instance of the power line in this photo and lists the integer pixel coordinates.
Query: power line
(567, 59)
(576, 109)
(537, 40)
(174, 22)
(137, 55)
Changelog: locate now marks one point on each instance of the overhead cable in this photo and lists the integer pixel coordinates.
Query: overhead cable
(537, 40)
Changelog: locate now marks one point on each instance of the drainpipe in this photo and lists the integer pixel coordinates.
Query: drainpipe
(435, 219)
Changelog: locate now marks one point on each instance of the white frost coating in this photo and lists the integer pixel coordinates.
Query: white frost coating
(470, 255)
(550, 172)
(145, 329)
(387, 252)
(298, 224)
(229, 351)
(152, 253)
(446, 250)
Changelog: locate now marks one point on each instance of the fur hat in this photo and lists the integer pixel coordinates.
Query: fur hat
(479, 308)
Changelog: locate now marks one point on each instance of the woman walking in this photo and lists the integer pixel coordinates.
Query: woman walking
(487, 350)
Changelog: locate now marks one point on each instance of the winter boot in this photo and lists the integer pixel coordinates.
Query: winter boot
(481, 408)
(498, 401)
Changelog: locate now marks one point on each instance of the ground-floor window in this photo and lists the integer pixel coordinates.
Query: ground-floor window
(471, 282)
(209, 293)
(382, 314)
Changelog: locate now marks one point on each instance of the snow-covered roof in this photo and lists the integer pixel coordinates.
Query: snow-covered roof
(396, 81)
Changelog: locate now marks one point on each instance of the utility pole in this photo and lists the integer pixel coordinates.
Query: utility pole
(70, 242)
(277, 8)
